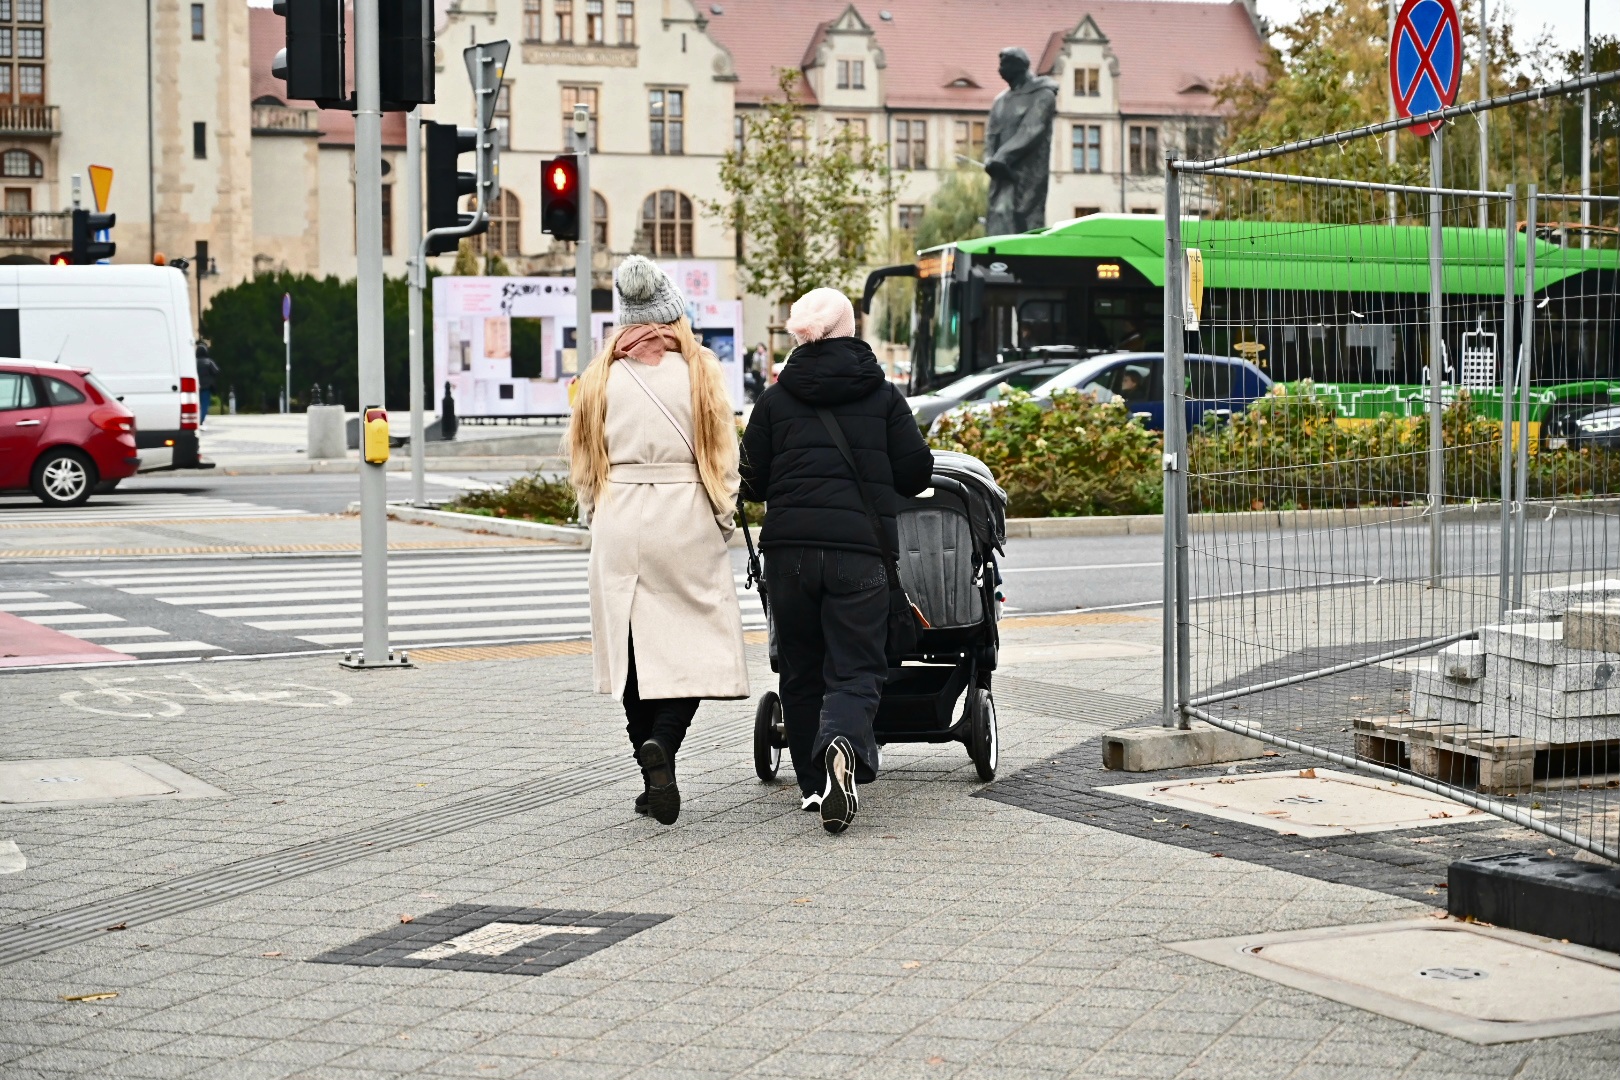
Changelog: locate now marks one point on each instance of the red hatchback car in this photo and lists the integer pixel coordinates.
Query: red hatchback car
(62, 434)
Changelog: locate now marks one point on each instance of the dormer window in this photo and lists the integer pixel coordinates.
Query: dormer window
(1195, 86)
(852, 74)
(1087, 82)
(961, 80)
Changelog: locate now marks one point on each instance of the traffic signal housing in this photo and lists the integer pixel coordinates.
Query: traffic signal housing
(405, 60)
(559, 198)
(312, 64)
(446, 183)
(87, 249)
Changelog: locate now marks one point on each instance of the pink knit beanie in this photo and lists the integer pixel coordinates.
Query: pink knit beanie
(821, 313)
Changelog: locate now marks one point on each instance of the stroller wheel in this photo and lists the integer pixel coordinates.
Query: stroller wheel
(768, 737)
(984, 745)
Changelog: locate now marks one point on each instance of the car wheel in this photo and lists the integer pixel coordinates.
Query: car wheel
(105, 487)
(63, 477)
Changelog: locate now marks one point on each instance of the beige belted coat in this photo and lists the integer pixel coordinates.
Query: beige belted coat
(659, 568)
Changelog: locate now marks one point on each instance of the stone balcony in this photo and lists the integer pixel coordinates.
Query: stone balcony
(51, 230)
(29, 120)
(285, 120)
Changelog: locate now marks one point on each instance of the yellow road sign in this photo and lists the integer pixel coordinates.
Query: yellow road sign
(101, 185)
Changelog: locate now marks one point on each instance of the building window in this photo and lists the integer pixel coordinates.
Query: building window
(1086, 211)
(1086, 148)
(911, 144)
(563, 12)
(197, 23)
(503, 115)
(666, 223)
(388, 219)
(852, 128)
(30, 10)
(1144, 209)
(852, 74)
(199, 140)
(667, 112)
(1144, 150)
(20, 163)
(627, 22)
(909, 216)
(598, 221)
(1087, 82)
(23, 83)
(31, 84)
(504, 224)
(533, 20)
(31, 44)
(739, 133)
(969, 140)
(595, 22)
(5, 42)
(578, 95)
(1201, 141)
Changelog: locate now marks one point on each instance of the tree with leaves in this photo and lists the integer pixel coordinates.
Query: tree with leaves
(957, 209)
(805, 202)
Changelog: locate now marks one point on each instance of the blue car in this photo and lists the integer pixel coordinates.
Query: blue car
(1218, 384)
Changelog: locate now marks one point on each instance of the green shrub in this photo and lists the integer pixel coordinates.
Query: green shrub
(532, 498)
(1079, 458)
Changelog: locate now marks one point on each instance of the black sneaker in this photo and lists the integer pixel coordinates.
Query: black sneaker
(663, 797)
(811, 801)
(839, 801)
(641, 803)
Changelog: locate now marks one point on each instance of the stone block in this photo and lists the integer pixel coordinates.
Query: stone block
(1445, 709)
(1435, 684)
(1593, 627)
(1149, 749)
(1563, 678)
(1552, 704)
(1514, 719)
(1538, 643)
(1463, 660)
(327, 438)
(1556, 601)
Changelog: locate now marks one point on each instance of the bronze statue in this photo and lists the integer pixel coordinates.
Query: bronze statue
(1018, 147)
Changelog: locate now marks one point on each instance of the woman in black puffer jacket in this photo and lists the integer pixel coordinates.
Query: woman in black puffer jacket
(823, 564)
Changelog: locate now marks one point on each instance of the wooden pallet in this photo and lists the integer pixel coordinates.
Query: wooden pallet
(1464, 756)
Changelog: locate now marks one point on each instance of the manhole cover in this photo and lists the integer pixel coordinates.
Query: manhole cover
(81, 780)
(1304, 802)
(500, 940)
(1451, 974)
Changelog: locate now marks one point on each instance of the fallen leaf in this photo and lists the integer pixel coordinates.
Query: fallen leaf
(1184, 825)
(106, 995)
(269, 955)
(407, 918)
(935, 1060)
(911, 964)
(1275, 813)
(1442, 885)
(1307, 774)
(117, 926)
(278, 802)
(1439, 814)
(802, 900)
(1268, 753)
(1437, 915)
(1553, 853)
(1216, 855)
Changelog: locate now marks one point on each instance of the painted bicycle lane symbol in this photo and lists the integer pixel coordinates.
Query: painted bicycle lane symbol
(147, 697)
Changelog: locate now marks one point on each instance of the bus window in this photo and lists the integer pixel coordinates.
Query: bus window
(947, 333)
(1127, 320)
(1040, 322)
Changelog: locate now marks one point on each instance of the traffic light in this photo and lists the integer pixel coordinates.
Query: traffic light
(559, 197)
(86, 248)
(405, 66)
(312, 63)
(446, 184)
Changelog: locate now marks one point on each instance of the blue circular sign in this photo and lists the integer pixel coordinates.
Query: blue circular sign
(1425, 60)
(286, 306)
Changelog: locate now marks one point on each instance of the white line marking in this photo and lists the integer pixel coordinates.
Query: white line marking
(1095, 566)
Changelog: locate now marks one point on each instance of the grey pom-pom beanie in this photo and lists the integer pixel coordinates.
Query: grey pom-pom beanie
(646, 295)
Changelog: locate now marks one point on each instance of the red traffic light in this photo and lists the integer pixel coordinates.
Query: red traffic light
(62, 258)
(559, 198)
(563, 177)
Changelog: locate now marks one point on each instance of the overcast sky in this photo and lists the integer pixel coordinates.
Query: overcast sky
(1564, 17)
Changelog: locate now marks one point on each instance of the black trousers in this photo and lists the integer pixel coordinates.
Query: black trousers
(665, 719)
(830, 610)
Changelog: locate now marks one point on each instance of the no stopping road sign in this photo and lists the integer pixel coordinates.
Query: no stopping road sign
(1425, 59)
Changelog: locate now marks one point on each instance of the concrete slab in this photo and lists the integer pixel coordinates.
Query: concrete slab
(1463, 660)
(1558, 600)
(51, 782)
(1150, 748)
(1472, 982)
(1593, 626)
(1305, 802)
(1538, 643)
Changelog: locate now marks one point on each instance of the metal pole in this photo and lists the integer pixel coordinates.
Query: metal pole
(582, 247)
(1484, 92)
(1586, 130)
(1389, 147)
(286, 388)
(1174, 450)
(414, 273)
(369, 311)
(1437, 368)
(1509, 294)
(1526, 358)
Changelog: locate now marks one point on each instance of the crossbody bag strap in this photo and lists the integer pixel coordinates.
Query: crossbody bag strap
(891, 568)
(658, 401)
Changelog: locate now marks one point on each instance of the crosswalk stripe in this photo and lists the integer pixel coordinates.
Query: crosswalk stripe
(137, 648)
(140, 507)
(22, 596)
(337, 580)
(131, 576)
(71, 620)
(116, 632)
(59, 605)
(432, 620)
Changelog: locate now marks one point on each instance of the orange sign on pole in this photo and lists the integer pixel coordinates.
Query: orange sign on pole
(101, 185)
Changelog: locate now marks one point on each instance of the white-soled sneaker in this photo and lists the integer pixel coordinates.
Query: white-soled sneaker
(810, 802)
(839, 801)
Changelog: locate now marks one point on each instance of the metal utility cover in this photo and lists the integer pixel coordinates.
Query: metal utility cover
(499, 940)
(47, 782)
(1294, 803)
(1467, 980)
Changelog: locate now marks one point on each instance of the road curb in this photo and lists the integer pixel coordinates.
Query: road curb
(529, 530)
(518, 463)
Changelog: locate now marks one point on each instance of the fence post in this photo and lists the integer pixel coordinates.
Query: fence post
(1173, 451)
(1526, 355)
(1510, 232)
(1437, 366)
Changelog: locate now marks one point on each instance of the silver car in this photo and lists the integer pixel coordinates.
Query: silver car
(984, 386)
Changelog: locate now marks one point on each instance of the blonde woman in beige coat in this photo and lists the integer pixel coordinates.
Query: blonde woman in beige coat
(653, 450)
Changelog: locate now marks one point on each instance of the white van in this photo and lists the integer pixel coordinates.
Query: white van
(131, 325)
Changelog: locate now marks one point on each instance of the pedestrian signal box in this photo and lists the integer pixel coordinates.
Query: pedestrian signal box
(560, 197)
(374, 437)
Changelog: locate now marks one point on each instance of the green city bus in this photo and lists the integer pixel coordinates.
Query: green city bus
(1345, 306)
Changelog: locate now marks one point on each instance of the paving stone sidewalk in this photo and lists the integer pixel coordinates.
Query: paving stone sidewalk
(946, 935)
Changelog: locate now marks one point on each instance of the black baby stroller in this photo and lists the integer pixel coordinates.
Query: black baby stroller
(949, 538)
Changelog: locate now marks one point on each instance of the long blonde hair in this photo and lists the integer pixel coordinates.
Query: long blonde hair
(714, 432)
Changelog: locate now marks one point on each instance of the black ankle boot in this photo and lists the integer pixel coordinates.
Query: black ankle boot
(663, 797)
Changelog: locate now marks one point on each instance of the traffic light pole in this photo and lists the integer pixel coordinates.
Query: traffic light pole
(582, 247)
(374, 650)
(415, 273)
